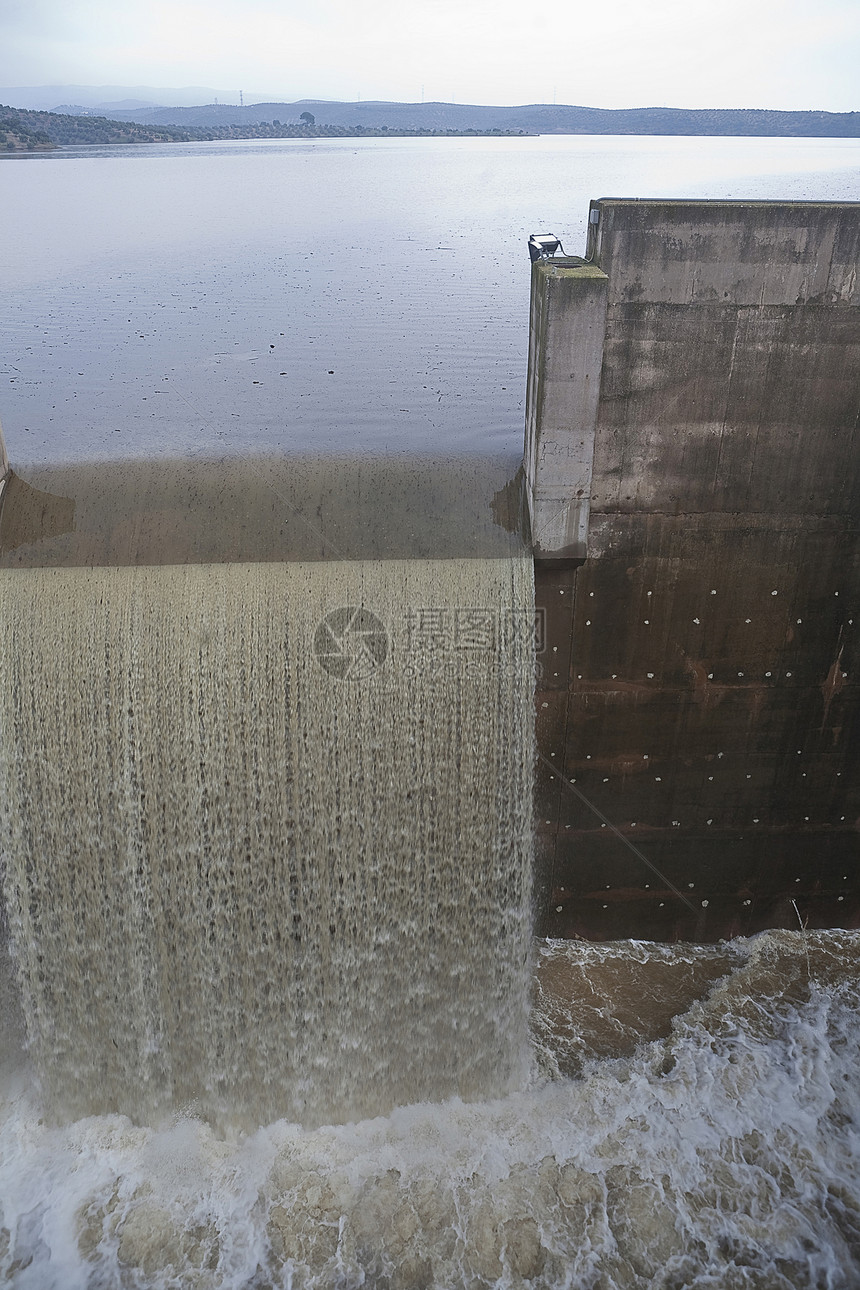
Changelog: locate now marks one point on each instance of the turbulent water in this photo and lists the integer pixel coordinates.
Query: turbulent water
(267, 834)
(720, 1152)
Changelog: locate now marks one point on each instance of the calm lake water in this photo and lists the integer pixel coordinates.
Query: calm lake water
(360, 295)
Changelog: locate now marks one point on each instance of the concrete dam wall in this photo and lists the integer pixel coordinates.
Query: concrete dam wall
(692, 476)
(694, 481)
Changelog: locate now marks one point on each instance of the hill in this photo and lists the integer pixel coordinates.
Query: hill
(53, 128)
(534, 118)
(17, 135)
(29, 131)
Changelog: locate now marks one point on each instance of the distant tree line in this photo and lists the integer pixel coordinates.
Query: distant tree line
(52, 128)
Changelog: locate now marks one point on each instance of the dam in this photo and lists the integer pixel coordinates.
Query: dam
(273, 859)
(694, 482)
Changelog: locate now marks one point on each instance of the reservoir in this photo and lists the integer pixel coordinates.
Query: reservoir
(368, 296)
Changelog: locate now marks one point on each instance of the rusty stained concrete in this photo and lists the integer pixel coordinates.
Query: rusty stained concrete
(698, 681)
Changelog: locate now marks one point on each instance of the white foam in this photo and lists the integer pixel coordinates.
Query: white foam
(722, 1155)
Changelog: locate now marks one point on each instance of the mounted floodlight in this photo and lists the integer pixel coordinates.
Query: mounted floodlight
(543, 245)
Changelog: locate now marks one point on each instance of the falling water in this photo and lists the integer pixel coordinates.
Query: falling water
(267, 834)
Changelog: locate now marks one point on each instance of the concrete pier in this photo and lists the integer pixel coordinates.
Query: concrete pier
(694, 480)
(567, 327)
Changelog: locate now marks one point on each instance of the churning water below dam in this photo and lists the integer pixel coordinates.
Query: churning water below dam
(721, 1153)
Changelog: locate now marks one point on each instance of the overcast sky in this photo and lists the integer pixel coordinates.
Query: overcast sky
(626, 53)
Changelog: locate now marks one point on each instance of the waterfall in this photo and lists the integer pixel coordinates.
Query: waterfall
(266, 832)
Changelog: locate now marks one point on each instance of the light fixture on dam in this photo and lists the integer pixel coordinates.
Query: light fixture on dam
(543, 245)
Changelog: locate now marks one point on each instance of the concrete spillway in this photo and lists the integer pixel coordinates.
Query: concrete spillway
(266, 757)
(694, 482)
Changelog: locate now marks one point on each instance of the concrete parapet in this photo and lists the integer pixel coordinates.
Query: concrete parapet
(744, 253)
